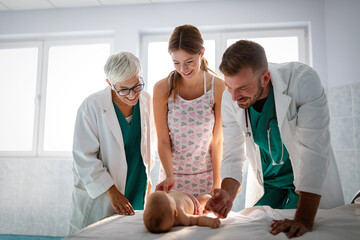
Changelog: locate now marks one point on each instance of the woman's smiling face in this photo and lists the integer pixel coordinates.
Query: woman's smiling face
(186, 64)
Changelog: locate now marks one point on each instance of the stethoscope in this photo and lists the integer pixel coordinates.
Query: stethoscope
(248, 134)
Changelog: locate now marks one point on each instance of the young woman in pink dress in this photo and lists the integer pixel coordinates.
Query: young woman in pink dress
(188, 117)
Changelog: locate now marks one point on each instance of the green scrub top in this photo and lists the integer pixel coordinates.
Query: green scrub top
(278, 179)
(136, 179)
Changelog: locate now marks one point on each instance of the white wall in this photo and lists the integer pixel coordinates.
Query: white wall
(342, 21)
(127, 22)
(335, 34)
(343, 37)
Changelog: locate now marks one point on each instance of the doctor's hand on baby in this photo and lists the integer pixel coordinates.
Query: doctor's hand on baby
(119, 202)
(166, 185)
(220, 203)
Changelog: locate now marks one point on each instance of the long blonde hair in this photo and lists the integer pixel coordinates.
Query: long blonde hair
(189, 39)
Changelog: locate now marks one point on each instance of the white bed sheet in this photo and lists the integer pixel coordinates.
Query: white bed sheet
(252, 223)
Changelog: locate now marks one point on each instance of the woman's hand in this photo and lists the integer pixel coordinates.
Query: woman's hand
(119, 202)
(166, 185)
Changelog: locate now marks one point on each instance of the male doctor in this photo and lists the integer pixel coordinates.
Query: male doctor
(277, 117)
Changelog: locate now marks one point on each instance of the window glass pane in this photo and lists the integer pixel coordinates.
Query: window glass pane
(160, 63)
(74, 72)
(209, 46)
(18, 74)
(278, 49)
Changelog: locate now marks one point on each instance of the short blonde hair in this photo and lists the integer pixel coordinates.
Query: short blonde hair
(122, 66)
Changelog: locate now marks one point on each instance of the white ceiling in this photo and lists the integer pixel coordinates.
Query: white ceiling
(18, 5)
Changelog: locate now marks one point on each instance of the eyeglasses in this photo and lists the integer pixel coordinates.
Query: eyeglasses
(135, 89)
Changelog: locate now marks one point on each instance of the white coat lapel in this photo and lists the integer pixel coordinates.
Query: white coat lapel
(252, 149)
(255, 178)
(144, 112)
(144, 116)
(282, 103)
(110, 116)
(240, 114)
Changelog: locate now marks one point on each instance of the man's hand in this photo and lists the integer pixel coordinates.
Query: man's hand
(304, 217)
(119, 202)
(220, 203)
(222, 199)
(291, 227)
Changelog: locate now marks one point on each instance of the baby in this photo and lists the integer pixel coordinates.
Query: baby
(165, 210)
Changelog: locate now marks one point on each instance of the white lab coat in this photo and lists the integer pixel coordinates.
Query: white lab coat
(303, 118)
(99, 156)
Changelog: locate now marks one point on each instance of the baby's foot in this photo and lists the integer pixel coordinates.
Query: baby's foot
(215, 223)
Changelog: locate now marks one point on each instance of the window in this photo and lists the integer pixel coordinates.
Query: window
(18, 80)
(43, 84)
(281, 45)
(159, 63)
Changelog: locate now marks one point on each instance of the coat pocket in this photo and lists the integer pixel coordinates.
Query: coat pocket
(80, 209)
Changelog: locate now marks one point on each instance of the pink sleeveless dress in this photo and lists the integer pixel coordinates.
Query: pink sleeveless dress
(191, 124)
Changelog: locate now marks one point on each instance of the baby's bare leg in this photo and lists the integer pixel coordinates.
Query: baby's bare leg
(208, 222)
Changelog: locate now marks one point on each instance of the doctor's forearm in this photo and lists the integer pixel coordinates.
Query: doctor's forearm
(232, 186)
(307, 208)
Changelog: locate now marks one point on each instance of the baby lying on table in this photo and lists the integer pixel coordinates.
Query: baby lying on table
(165, 210)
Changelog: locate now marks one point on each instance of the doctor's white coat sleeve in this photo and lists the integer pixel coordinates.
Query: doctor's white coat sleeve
(313, 132)
(89, 167)
(234, 140)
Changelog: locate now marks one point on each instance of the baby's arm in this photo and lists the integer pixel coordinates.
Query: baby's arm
(204, 221)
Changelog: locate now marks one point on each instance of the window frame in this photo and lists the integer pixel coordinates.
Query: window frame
(47, 45)
(44, 44)
(39, 46)
(144, 46)
(221, 35)
(299, 32)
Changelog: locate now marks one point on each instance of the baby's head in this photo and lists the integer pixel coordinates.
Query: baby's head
(160, 212)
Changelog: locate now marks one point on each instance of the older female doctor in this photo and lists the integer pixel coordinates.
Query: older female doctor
(112, 146)
(276, 116)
